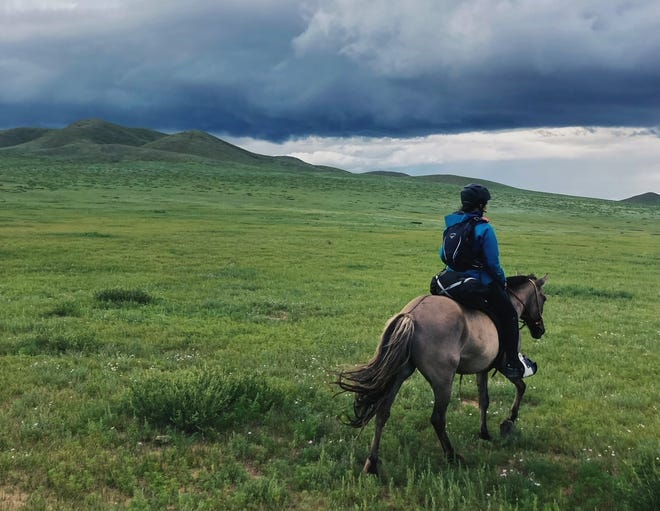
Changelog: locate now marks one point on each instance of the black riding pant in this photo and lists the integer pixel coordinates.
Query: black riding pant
(498, 304)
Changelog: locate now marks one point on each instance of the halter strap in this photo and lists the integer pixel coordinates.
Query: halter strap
(535, 322)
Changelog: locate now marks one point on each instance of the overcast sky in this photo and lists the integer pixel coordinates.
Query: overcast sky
(551, 95)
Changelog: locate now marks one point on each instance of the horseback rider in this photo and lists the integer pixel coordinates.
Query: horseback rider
(491, 295)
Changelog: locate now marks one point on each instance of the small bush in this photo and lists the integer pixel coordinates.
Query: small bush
(52, 344)
(260, 493)
(644, 493)
(65, 309)
(200, 400)
(119, 296)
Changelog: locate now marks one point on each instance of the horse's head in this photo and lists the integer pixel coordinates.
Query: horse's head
(528, 291)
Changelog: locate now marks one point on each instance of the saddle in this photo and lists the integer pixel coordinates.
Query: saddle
(464, 289)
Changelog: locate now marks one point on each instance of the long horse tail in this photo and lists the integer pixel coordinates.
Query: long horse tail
(373, 381)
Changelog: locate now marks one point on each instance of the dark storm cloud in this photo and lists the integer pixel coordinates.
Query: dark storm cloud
(279, 69)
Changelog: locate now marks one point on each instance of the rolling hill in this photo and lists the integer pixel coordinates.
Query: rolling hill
(650, 198)
(18, 136)
(204, 145)
(96, 140)
(73, 139)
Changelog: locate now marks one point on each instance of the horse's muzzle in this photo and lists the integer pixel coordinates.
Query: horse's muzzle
(537, 330)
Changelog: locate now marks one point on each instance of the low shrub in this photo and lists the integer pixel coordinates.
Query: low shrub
(119, 296)
(644, 492)
(65, 309)
(46, 343)
(200, 400)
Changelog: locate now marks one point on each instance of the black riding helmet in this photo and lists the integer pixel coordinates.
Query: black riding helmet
(474, 196)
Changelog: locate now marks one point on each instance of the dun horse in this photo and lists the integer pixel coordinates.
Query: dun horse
(440, 338)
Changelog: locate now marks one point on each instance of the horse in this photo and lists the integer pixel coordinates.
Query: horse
(440, 338)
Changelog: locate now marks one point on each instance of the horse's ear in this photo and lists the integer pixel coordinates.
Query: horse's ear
(540, 282)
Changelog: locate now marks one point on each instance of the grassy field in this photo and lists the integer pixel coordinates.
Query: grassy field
(169, 333)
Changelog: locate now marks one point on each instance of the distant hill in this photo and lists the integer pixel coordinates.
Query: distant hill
(650, 198)
(388, 173)
(19, 136)
(95, 140)
(93, 131)
(452, 179)
(448, 179)
(202, 144)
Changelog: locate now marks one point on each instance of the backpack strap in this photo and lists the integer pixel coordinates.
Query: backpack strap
(478, 261)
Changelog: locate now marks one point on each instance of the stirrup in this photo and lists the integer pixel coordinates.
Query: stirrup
(529, 365)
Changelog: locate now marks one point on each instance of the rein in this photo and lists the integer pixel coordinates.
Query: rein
(524, 321)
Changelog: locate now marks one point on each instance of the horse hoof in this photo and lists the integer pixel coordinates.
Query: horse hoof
(485, 436)
(370, 467)
(456, 459)
(506, 428)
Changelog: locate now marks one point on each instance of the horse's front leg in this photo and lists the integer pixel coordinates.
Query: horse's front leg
(484, 401)
(506, 428)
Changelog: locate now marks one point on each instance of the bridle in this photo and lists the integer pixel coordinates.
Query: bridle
(524, 317)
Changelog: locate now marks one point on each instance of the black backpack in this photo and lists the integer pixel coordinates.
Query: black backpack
(458, 250)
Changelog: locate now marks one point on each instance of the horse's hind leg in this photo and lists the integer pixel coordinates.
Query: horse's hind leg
(506, 428)
(382, 415)
(484, 402)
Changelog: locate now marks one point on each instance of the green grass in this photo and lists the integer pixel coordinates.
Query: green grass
(169, 332)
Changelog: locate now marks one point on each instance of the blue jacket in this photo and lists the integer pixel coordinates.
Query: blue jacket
(490, 252)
